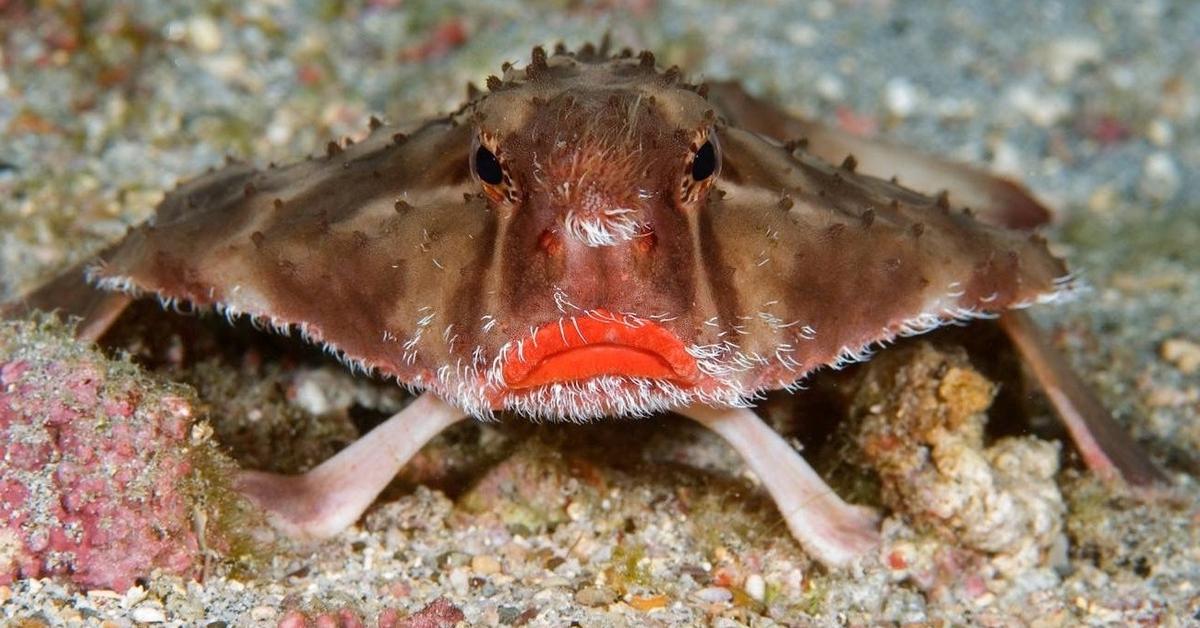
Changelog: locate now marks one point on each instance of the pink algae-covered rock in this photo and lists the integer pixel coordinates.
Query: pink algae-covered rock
(95, 464)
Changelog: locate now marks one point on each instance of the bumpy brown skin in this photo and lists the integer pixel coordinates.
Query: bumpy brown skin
(994, 200)
(392, 251)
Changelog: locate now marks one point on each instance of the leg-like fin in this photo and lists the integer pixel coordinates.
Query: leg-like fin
(833, 531)
(1105, 446)
(70, 296)
(332, 496)
(994, 200)
(101, 314)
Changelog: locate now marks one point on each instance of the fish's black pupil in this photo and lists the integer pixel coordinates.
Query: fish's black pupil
(705, 163)
(488, 167)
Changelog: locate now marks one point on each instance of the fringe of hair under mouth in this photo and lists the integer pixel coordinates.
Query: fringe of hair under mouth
(472, 387)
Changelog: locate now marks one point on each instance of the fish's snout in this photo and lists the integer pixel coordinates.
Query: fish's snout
(606, 225)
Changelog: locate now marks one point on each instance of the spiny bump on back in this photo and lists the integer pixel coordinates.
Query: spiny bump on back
(793, 145)
(538, 68)
(943, 200)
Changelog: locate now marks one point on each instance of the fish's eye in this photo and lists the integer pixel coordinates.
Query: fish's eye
(704, 164)
(487, 167)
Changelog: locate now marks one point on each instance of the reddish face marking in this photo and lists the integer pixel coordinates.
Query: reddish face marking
(551, 243)
(579, 348)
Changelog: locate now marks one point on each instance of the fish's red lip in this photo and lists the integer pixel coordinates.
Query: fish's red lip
(574, 349)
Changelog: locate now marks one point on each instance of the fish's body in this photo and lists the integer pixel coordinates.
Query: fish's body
(591, 236)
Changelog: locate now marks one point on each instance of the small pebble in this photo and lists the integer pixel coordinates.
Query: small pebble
(901, 97)
(1160, 133)
(1160, 177)
(576, 511)
(756, 587)
(1103, 199)
(647, 603)
(263, 613)
(460, 580)
(595, 596)
(148, 614)
(803, 35)
(1168, 397)
(133, 596)
(1065, 56)
(1182, 353)
(821, 10)
(713, 595)
(508, 614)
(321, 391)
(793, 582)
(1041, 108)
(485, 565)
(204, 34)
(1006, 159)
(830, 87)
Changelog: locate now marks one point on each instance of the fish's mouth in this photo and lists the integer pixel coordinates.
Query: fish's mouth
(578, 348)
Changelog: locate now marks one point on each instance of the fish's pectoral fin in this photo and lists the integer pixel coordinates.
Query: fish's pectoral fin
(72, 297)
(993, 199)
(330, 497)
(1107, 449)
(833, 531)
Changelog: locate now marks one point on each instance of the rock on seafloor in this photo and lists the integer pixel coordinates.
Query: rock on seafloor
(104, 477)
(975, 511)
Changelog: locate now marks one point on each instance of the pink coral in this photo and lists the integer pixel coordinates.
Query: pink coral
(93, 467)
